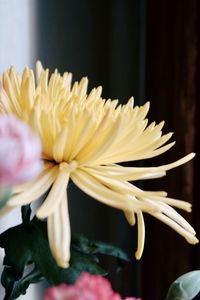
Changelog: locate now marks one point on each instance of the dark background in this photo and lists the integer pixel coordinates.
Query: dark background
(149, 49)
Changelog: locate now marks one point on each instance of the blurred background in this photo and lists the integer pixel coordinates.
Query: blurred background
(146, 48)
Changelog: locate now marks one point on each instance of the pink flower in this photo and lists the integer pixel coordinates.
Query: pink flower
(87, 287)
(20, 152)
(97, 286)
(132, 298)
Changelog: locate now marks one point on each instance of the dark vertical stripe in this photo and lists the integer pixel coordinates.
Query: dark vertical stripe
(171, 86)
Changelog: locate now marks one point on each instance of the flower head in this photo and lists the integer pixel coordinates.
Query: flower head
(20, 152)
(84, 138)
(87, 287)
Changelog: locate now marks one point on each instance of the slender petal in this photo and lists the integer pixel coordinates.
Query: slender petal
(175, 226)
(100, 192)
(141, 235)
(58, 226)
(38, 188)
(130, 216)
(56, 193)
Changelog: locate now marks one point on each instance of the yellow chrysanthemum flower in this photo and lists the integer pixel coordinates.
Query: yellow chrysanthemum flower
(84, 138)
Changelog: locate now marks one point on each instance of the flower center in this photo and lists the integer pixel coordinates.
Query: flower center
(71, 167)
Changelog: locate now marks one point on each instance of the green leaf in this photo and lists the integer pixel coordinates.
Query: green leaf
(82, 243)
(111, 250)
(8, 279)
(186, 287)
(86, 263)
(27, 244)
(18, 242)
(16, 286)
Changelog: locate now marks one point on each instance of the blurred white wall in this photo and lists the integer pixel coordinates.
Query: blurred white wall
(18, 47)
(17, 33)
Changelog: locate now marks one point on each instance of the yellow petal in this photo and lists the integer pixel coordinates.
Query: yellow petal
(177, 163)
(141, 235)
(123, 187)
(126, 173)
(175, 226)
(60, 144)
(173, 202)
(36, 190)
(100, 192)
(172, 214)
(58, 227)
(106, 143)
(130, 217)
(55, 195)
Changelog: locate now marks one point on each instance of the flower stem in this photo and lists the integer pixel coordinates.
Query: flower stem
(26, 213)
